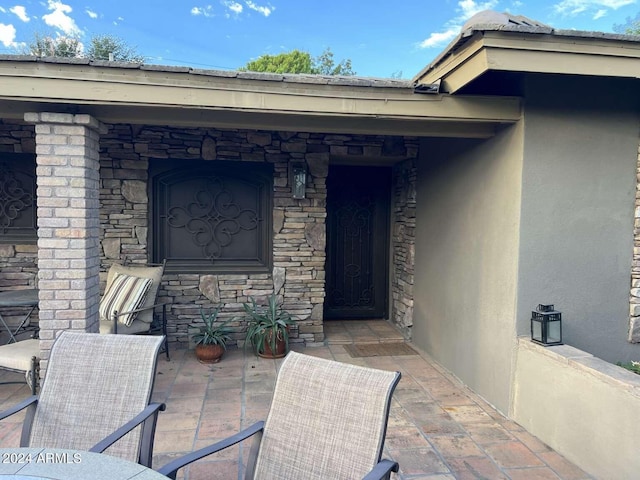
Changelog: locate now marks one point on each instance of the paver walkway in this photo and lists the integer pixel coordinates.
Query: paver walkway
(438, 429)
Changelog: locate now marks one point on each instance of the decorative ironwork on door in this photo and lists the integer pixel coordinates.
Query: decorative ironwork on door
(354, 288)
(357, 232)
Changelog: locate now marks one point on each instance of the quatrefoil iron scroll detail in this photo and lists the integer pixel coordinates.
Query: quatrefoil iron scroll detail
(14, 198)
(212, 219)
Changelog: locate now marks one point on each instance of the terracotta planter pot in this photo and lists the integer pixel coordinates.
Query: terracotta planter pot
(281, 348)
(209, 353)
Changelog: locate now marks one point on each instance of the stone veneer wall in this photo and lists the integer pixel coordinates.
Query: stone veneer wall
(634, 299)
(18, 262)
(299, 232)
(299, 225)
(403, 246)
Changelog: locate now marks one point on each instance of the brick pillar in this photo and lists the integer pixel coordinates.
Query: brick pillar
(67, 160)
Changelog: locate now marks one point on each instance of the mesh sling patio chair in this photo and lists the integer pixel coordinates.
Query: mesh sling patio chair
(327, 421)
(19, 354)
(128, 305)
(95, 397)
(22, 357)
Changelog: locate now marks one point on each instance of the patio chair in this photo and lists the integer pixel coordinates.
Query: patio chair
(22, 357)
(129, 301)
(327, 420)
(95, 397)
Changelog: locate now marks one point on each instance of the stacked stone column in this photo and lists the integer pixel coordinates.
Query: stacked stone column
(67, 168)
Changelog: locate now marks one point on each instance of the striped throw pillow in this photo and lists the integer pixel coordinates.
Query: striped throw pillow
(125, 293)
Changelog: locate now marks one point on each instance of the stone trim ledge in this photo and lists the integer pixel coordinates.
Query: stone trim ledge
(581, 406)
(585, 362)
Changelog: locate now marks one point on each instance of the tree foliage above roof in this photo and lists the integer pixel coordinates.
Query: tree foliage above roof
(297, 61)
(48, 46)
(100, 48)
(631, 26)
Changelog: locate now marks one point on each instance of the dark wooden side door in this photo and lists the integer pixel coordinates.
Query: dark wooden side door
(357, 242)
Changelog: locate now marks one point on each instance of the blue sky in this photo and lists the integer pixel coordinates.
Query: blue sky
(382, 38)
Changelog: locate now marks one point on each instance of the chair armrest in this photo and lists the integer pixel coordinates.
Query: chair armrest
(20, 406)
(105, 443)
(141, 309)
(116, 315)
(170, 469)
(382, 470)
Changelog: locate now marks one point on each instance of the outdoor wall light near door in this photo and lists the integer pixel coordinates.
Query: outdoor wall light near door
(298, 180)
(546, 326)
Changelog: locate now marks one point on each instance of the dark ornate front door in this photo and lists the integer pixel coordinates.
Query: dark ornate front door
(357, 242)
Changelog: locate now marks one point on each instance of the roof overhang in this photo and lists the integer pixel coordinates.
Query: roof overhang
(137, 94)
(532, 50)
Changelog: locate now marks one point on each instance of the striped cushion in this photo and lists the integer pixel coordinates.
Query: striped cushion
(125, 293)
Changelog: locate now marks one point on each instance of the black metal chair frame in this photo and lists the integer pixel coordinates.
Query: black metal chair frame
(148, 419)
(381, 471)
(33, 375)
(158, 325)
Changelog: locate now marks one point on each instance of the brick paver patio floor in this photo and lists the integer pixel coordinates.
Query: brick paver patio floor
(438, 429)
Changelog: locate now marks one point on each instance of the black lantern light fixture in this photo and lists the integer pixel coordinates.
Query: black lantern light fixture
(546, 325)
(298, 180)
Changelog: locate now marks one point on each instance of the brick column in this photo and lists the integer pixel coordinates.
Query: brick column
(67, 159)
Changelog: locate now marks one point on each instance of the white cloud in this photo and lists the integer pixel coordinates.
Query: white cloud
(8, 35)
(599, 14)
(20, 12)
(466, 9)
(438, 39)
(266, 11)
(204, 11)
(235, 7)
(59, 18)
(2, 10)
(575, 7)
(91, 13)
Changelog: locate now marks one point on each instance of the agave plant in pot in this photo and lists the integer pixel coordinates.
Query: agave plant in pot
(211, 340)
(268, 329)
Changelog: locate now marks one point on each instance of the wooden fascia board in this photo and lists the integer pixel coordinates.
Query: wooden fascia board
(454, 61)
(546, 43)
(312, 123)
(474, 67)
(567, 63)
(164, 90)
(260, 120)
(536, 53)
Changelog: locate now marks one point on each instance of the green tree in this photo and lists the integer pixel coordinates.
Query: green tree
(326, 65)
(110, 47)
(50, 46)
(631, 26)
(294, 61)
(100, 48)
(297, 61)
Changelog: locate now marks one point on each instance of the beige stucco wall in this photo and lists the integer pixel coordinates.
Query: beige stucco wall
(468, 210)
(581, 406)
(578, 193)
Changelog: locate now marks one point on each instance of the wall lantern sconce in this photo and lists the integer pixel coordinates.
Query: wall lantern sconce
(298, 180)
(546, 326)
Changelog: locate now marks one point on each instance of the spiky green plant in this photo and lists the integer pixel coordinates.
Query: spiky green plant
(267, 324)
(211, 333)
